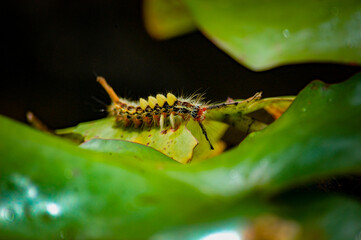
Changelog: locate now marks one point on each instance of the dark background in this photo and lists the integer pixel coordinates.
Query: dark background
(51, 51)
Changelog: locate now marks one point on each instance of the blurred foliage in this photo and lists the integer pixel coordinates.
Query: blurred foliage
(51, 189)
(164, 19)
(264, 34)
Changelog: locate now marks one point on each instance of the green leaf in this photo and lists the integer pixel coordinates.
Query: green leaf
(177, 144)
(125, 149)
(215, 131)
(314, 218)
(264, 34)
(235, 115)
(50, 188)
(240, 107)
(99, 130)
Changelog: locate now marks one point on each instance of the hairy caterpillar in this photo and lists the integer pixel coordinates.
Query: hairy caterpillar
(161, 111)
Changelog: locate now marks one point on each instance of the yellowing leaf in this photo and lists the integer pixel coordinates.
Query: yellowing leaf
(177, 144)
(215, 131)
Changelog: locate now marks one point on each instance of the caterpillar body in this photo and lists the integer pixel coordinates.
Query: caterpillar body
(161, 111)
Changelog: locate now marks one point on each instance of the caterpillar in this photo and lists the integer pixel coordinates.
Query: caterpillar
(161, 111)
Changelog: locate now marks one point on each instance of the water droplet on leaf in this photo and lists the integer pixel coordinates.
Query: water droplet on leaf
(286, 33)
(7, 214)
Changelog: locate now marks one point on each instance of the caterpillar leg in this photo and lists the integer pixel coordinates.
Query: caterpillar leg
(161, 122)
(205, 134)
(172, 120)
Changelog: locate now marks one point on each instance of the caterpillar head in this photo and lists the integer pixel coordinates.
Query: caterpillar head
(198, 113)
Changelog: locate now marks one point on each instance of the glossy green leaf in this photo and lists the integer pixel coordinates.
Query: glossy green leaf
(264, 34)
(50, 188)
(316, 218)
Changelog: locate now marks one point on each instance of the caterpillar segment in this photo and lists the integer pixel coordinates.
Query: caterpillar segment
(160, 111)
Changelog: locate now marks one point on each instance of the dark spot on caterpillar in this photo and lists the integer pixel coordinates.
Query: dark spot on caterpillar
(184, 110)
